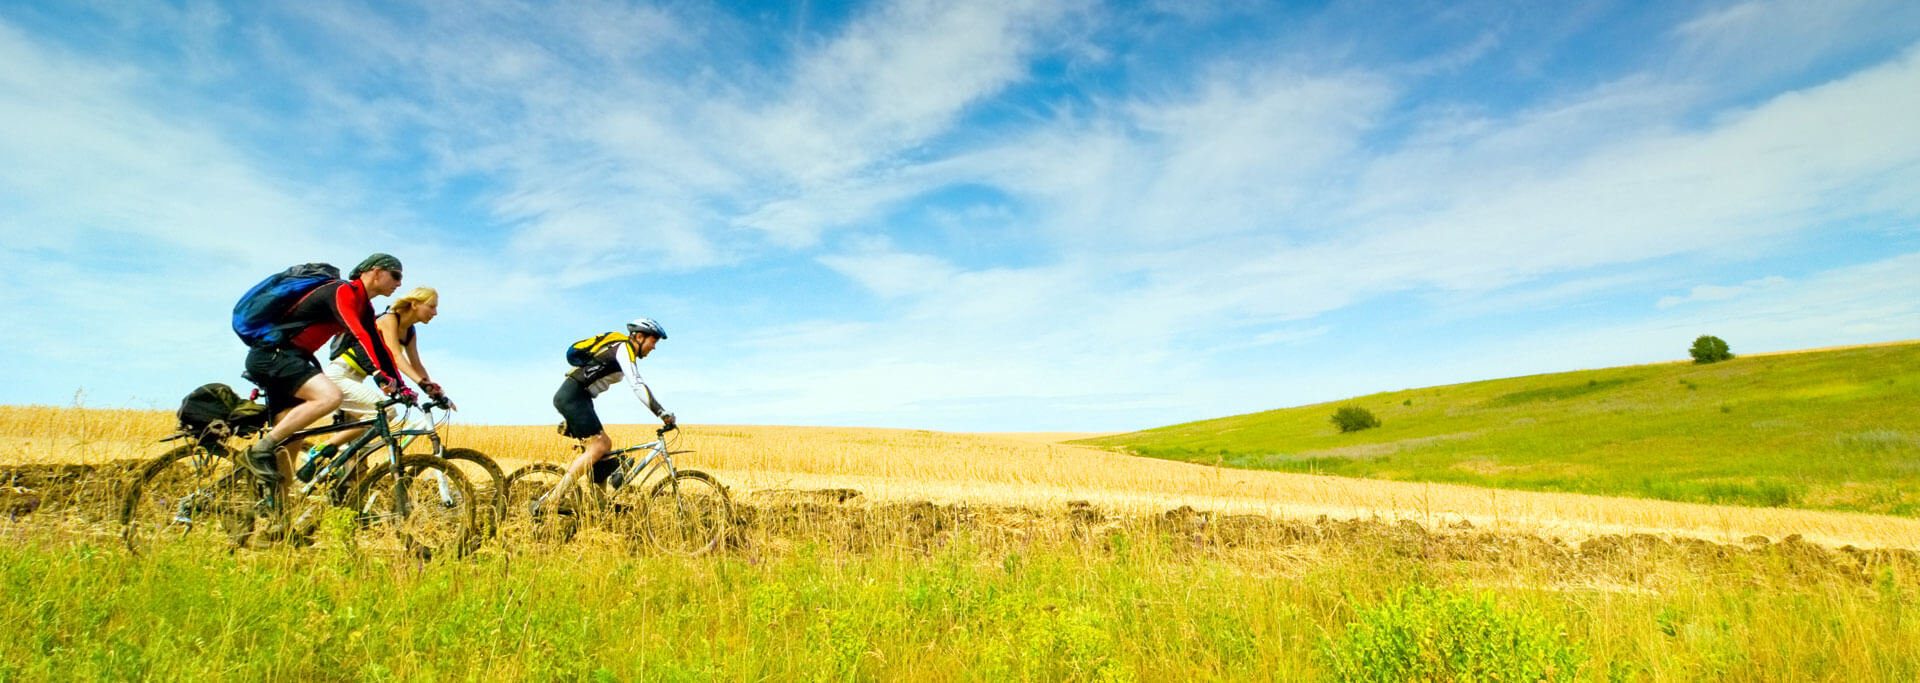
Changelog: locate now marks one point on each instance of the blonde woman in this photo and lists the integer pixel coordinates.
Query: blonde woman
(350, 367)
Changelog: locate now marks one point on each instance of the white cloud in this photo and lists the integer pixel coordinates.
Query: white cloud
(1750, 44)
(897, 77)
(550, 168)
(1754, 176)
(88, 156)
(892, 274)
(1720, 292)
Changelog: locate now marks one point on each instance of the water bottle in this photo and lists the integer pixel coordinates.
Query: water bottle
(315, 458)
(619, 476)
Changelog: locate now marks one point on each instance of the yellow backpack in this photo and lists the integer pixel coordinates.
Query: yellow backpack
(583, 351)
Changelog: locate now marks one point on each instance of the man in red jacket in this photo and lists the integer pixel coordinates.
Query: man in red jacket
(290, 374)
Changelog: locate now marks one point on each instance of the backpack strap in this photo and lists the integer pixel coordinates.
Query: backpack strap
(274, 332)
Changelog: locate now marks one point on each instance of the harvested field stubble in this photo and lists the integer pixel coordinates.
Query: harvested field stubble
(75, 456)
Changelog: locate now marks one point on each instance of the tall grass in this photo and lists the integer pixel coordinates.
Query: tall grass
(978, 557)
(1120, 603)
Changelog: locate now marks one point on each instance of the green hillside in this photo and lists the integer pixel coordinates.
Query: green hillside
(1832, 429)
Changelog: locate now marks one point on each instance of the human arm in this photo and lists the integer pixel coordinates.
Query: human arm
(403, 344)
(354, 310)
(410, 363)
(405, 357)
(639, 386)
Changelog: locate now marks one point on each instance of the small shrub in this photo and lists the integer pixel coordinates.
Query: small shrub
(1710, 349)
(1354, 418)
(1433, 635)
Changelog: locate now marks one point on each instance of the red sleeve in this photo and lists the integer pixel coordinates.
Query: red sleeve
(355, 311)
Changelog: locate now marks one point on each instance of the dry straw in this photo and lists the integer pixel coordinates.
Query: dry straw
(891, 466)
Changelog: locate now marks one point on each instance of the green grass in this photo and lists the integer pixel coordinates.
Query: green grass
(1126, 604)
(1835, 430)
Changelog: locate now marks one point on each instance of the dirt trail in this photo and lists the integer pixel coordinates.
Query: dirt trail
(1569, 516)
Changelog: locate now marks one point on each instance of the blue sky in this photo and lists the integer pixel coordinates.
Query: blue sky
(970, 216)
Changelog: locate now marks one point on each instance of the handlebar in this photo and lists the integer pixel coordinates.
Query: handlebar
(413, 400)
(405, 397)
(662, 431)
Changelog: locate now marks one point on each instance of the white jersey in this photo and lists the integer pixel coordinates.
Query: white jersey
(609, 366)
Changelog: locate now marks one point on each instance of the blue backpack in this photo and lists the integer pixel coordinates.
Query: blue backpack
(256, 318)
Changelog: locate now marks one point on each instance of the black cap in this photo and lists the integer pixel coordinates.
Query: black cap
(381, 261)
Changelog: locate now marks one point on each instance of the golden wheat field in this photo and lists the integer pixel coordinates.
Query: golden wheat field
(889, 466)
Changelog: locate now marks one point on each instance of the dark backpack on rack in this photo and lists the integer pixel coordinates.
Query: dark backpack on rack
(256, 318)
(214, 411)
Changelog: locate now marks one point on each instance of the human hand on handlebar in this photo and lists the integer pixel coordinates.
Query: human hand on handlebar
(439, 395)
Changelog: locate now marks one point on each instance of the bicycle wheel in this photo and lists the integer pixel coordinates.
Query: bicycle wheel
(489, 487)
(687, 514)
(424, 509)
(559, 521)
(188, 494)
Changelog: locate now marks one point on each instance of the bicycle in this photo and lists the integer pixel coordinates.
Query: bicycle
(685, 512)
(490, 506)
(190, 488)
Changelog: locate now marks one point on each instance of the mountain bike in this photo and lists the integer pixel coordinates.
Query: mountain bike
(482, 472)
(685, 512)
(420, 503)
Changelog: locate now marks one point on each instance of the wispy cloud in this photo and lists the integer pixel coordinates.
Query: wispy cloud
(973, 214)
(1720, 292)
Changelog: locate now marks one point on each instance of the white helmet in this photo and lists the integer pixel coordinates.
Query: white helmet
(647, 327)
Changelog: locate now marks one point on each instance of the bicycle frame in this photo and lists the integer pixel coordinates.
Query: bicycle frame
(659, 459)
(382, 430)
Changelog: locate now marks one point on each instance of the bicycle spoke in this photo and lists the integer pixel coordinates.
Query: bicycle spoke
(188, 494)
(425, 511)
(687, 514)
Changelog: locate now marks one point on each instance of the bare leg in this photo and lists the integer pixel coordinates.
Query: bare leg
(318, 398)
(597, 447)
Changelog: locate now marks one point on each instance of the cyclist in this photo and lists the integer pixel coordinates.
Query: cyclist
(350, 366)
(608, 363)
(297, 392)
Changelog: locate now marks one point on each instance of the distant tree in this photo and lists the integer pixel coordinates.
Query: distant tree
(1354, 418)
(1710, 349)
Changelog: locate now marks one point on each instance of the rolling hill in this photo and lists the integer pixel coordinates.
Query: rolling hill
(1834, 429)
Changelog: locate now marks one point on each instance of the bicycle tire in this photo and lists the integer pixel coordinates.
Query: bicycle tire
(687, 514)
(434, 522)
(561, 521)
(187, 493)
(492, 499)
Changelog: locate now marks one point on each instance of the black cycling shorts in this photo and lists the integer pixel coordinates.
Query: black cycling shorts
(280, 372)
(576, 407)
